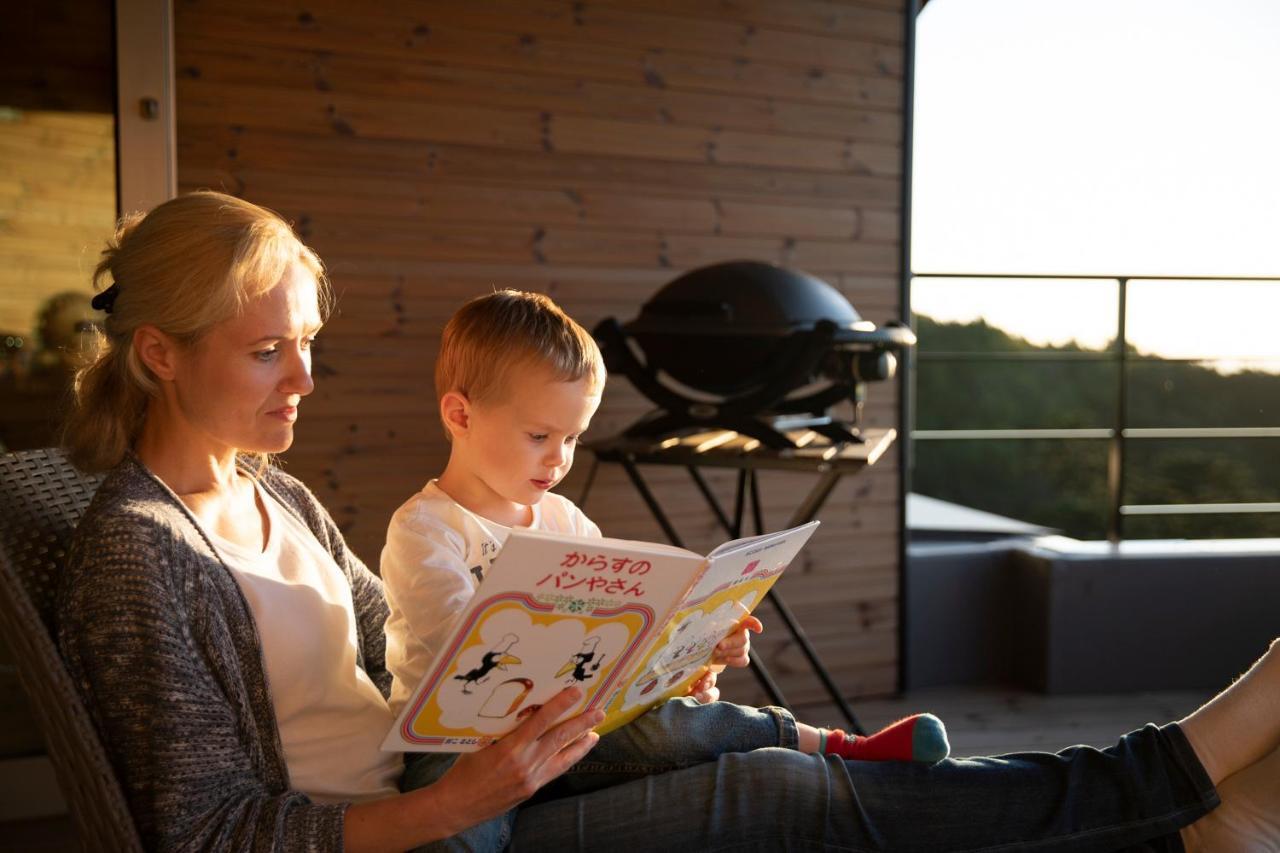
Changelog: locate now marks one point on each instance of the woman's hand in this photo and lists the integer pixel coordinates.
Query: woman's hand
(488, 782)
(735, 649)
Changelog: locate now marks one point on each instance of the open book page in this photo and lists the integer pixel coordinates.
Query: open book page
(553, 611)
(736, 579)
(747, 541)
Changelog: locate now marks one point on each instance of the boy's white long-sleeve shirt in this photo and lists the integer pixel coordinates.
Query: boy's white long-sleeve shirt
(436, 553)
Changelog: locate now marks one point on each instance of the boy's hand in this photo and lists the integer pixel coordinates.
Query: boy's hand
(704, 689)
(735, 649)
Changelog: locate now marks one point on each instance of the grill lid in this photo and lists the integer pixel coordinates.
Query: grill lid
(746, 298)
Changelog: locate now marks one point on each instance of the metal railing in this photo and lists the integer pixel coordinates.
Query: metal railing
(1119, 433)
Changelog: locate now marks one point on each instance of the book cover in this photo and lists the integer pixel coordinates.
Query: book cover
(631, 623)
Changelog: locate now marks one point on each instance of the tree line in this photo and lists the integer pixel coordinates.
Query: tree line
(977, 376)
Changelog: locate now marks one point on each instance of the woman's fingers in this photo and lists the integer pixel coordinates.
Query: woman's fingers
(487, 782)
(539, 738)
(573, 752)
(541, 721)
(566, 735)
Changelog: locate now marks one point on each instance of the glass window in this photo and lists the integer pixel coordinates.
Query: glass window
(57, 207)
(58, 196)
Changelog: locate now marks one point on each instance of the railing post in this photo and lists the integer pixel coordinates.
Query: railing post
(1115, 456)
(906, 376)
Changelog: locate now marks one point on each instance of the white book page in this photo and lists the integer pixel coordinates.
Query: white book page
(748, 541)
(755, 555)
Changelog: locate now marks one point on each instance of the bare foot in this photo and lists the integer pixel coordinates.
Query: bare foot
(1240, 725)
(1248, 821)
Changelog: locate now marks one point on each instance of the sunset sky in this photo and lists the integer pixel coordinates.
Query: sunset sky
(1106, 137)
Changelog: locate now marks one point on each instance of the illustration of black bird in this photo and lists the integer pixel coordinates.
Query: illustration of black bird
(498, 657)
(584, 663)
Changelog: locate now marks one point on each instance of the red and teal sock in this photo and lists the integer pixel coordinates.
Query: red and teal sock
(920, 737)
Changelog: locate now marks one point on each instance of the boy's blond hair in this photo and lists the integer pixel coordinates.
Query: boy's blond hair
(496, 333)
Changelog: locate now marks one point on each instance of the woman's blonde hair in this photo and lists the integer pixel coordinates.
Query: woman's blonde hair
(187, 265)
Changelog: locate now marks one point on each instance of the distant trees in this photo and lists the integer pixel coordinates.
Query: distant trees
(1062, 483)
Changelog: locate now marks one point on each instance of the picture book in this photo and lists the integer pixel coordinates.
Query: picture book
(631, 623)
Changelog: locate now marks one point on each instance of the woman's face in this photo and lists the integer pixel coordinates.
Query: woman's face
(240, 385)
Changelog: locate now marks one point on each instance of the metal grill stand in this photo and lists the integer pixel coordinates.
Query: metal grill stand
(728, 449)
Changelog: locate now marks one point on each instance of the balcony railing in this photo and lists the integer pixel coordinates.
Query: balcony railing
(1119, 433)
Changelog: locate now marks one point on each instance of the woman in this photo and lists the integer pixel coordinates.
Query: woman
(230, 648)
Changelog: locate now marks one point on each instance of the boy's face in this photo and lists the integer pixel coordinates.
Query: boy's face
(514, 449)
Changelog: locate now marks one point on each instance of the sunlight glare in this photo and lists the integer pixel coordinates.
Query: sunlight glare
(1103, 137)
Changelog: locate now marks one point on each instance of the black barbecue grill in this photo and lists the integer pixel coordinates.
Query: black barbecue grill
(754, 348)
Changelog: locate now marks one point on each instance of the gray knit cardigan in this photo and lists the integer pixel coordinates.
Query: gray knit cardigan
(165, 652)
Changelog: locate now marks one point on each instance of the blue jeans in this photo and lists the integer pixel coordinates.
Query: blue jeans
(1132, 796)
(675, 735)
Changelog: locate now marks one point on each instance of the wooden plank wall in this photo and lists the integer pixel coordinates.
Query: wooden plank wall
(431, 151)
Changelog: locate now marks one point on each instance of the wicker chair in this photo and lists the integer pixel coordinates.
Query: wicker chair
(41, 499)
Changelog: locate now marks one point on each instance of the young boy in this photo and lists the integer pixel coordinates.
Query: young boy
(518, 382)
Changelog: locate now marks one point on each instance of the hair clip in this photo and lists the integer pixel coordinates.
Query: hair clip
(106, 300)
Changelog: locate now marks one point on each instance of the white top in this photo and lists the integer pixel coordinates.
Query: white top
(437, 551)
(331, 716)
